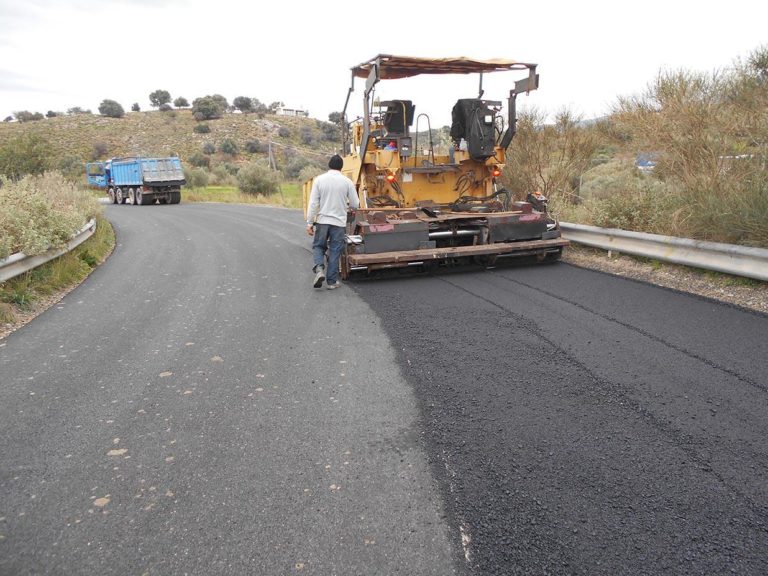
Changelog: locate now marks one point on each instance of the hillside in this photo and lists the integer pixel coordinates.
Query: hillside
(86, 137)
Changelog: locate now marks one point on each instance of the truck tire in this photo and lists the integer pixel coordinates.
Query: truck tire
(119, 196)
(175, 197)
(139, 197)
(132, 196)
(112, 197)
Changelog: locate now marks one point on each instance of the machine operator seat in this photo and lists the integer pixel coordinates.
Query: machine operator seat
(398, 116)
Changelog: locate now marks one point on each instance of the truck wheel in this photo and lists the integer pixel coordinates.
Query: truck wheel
(139, 197)
(119, 196)
(175, 197)
(132, 196)
(112, 197)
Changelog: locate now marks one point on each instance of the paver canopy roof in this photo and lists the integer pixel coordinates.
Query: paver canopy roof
(393, 67)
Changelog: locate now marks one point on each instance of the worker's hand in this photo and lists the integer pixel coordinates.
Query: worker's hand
(310, 229)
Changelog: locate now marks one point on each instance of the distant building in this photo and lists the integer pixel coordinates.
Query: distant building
(292, 112)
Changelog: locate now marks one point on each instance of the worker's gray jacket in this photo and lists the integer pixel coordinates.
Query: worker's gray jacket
(331, 193)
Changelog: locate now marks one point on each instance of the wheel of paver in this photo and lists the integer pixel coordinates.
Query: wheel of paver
(112, 197)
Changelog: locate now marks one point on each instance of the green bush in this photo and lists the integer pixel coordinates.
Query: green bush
(111, 109)
(31, 222)
(228, 146)
(284, 132)
(308, 172)
(243, 103)
(220, 176)
(209, 148)
(255, 147)
(255, 179)
(135, 107)
(26, 154)
(199, 160)
(27, 116)
(201, 128)
(208, 108)
(196, 177)
(181, 102)
(159, 98)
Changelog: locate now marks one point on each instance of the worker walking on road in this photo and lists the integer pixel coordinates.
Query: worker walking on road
(332, 195)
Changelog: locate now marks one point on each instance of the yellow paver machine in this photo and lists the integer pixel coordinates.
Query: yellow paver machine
(422, 208)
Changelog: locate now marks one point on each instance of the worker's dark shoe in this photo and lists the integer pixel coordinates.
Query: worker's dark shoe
(319, 276)
(333, 286)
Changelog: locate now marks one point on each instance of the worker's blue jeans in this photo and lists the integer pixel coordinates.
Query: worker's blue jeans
(331, 238)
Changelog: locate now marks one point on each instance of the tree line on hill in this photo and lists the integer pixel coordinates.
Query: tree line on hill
(204, 108)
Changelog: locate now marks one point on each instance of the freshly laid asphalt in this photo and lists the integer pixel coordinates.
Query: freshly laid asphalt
(580, 423)
(195, 407)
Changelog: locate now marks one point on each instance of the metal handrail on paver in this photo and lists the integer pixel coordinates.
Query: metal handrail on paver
(728, 258)
(19, 263)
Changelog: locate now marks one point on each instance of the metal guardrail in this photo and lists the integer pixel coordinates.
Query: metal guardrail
(727, 258)
(19, 263)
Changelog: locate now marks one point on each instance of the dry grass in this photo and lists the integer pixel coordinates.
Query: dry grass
(40, 212)
(289, 197)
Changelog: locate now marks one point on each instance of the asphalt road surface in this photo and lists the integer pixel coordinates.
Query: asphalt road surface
(195, 407)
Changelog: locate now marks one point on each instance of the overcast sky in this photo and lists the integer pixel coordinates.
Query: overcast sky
(55, 55)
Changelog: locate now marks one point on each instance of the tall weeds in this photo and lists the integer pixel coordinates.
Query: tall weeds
(40, 212)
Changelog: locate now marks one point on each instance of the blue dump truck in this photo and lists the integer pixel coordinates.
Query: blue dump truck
(138, 180)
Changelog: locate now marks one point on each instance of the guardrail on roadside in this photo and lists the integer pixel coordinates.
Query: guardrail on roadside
(727, 258)
(19, 263)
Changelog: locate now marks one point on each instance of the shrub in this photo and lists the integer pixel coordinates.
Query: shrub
(201, 128)
(111, 109)
(135, 107)
(27, 116)
(31, 223)
(243, 103)
(295, 165)
(196, 177)
(52, 114)
(99, 150)
(199, 160)
(77, 110)
(220, 176)
(181, 102)
(284, 132)
(165, 107)
(335, 118)
(159, 97)
(228, 146)
(308, 172)
(255, 179)
(72, 168)
(306, 136)
(209, 148)
(255, 147)
(27, 154)
(207, 108)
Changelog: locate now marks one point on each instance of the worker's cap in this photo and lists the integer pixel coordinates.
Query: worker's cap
(335, 163)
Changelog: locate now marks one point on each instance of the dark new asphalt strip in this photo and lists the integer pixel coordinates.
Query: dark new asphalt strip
(580, 423)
